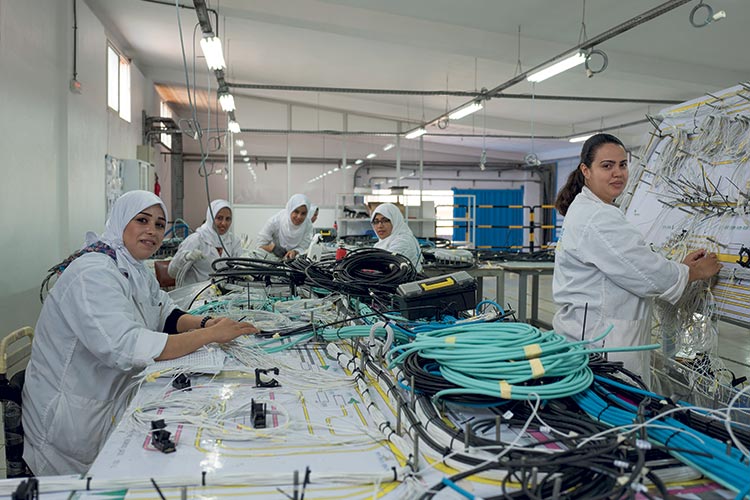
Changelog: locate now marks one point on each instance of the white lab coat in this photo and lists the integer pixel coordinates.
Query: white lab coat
(401, 240)
(280, 230)
(601, 259)
(205, 239)
(98, 328)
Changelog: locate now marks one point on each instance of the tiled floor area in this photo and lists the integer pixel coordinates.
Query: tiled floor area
(734, 341)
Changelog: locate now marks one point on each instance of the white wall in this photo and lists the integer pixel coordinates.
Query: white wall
(53, 143)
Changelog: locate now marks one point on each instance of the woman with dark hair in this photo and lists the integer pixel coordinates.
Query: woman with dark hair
(605, 273)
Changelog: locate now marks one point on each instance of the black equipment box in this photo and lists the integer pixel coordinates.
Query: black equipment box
(447, 294)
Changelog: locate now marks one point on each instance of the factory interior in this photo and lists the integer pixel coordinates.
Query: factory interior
(398, 249)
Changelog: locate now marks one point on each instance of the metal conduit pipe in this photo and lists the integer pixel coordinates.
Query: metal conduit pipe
(172, 4)
(454, 93)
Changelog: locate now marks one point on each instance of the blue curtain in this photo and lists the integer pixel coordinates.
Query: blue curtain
(494, 237)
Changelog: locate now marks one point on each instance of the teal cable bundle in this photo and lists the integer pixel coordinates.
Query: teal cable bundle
(506, 360)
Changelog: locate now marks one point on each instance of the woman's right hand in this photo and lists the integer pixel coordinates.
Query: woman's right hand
(225, 330)
(702, 265)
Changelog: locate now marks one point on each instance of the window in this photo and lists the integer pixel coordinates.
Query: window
(118, 82)
(165, 112)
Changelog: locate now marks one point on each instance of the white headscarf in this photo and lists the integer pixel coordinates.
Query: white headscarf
(401, 240)
(313, 209)
(290, 236)
(125, 208)
(207, 231)
(393, 214)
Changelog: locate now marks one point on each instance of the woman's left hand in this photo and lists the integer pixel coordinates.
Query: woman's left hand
(291, 254)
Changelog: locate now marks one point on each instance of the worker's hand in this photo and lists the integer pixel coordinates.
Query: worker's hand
(225, 329)
(194, 255)
(702, 268)
(694, 256)
(291, 254)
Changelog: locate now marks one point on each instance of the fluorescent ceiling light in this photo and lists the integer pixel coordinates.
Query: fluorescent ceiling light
(211, 46)
(580, 138)
(227, 102)
(388, 146)
(246, 159)
(358, 162)
(239, 142)
(417, 132)
(336, 169)
(470, 108)
(243, 152)
(348, 167)
(571, 61)
(371, 156)
(330, 171)
(218, 171)
(234, 127)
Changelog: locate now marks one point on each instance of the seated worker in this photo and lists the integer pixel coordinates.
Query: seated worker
(103, 322)
(288, 233)
(192, 263)
(394, 235)
(314, 209)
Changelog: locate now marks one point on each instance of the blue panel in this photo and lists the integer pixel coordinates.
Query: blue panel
(499, 238)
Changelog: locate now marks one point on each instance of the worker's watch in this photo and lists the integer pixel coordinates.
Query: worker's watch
(205, 320)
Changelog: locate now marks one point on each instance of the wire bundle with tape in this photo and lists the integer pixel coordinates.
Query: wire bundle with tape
(257, 269)
(505, 360)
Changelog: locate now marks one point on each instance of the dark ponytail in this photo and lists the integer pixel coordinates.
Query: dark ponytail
(576, 180)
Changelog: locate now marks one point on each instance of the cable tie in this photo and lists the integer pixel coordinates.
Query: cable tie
(508, 415)
(395, 474)
(203, 478)
(88, 483)
(545, 429)
(537, 368)
(572, 434)
(621, 464)
(622, 480)
(505, 389)
(642, 444)
(666, 441)
(532, 351)
(639, 487)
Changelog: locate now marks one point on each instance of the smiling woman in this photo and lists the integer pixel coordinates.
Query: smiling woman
(103, 322)
(605, 274)
(192, 262)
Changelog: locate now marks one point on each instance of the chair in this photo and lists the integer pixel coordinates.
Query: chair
(15, 350)
(161, 267)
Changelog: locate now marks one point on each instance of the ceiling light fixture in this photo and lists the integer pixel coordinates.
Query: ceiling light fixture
(417, 132)
(358, 162)
(348, 167)
(565, 64)
(211, 46)
(470, 108)
(243, 152)
(246, 160)
(388, 146)
(371, 156)
(226, 101)
(234, 127)
(580, 138)
(239, 142)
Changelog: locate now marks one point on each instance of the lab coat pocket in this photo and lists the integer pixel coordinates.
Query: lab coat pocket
(80, 426)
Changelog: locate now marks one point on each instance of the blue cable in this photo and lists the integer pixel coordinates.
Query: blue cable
(450, 484)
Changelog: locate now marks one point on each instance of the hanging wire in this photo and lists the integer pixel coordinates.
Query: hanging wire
(582, 34)
(519, 69)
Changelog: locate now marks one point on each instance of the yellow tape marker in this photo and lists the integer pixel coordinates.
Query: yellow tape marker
(532, 351)
(450, 340)
(505, 389)
(537, 369)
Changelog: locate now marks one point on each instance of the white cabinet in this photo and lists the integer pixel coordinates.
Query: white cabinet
(126, 175)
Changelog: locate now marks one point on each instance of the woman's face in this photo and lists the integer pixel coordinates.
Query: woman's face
(608, 174)
(383, 226)
(298, 215)
(223, 221)
(144, 233)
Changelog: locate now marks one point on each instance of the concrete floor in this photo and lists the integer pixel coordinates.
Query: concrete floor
(734, 341)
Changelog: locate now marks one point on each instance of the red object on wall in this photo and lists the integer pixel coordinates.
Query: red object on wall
(157, 186)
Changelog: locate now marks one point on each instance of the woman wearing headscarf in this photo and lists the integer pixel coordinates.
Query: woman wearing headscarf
(394, 235)
(103, 322)
(192, 262)
(314, 209)
(289, 232)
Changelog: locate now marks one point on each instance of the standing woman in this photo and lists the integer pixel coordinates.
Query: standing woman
(394, 235)
(289, 232)
(603, 268)
(103, 322)
(192, 263)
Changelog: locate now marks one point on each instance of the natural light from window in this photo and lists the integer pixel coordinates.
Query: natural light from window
(118, 83)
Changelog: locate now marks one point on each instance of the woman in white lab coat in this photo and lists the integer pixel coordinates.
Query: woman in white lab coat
(192, 262)
(603, 268)
(289, 232)
(394, 235)
(103, 322)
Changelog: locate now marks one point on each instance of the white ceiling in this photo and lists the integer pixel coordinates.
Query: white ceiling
(459, 45)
